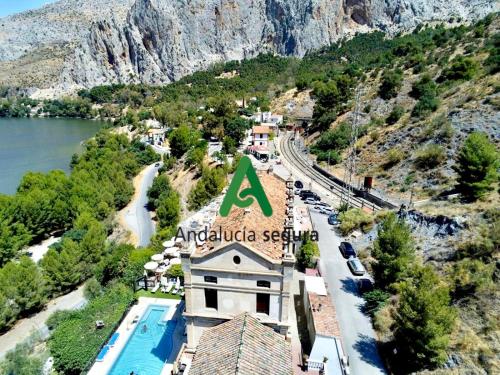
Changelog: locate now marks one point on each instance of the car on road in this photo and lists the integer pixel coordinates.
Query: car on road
(298, 184)
(364, 285)
(321, 204)
(333, 219)
(325, 211)
(157, 164)
(310, 195)
(347, 250)
(302, 192)
(297, 191)
(310, 201)
(356, 267)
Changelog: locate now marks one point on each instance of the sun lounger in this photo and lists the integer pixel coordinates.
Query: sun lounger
(102, 354)
(113, 339)
(155, 289)
(169, 287)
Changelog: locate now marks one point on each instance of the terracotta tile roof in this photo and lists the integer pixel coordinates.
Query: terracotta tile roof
(252, 219)
(324, 315)
(242, 346)
(261, 130)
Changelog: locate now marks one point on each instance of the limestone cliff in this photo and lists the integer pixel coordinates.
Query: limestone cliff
(157, 41)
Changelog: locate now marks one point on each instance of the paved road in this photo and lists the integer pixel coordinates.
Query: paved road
(36, 323)
(356, 329)
(137, 216)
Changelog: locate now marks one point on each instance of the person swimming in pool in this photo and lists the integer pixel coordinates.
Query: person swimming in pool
(144, 328)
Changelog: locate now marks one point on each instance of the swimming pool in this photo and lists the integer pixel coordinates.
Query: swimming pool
(149, 345)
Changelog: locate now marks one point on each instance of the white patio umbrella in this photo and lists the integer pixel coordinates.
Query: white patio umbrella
(168, 243)
(170, 251)
(175, 261)
(157, 257)
(151, 266)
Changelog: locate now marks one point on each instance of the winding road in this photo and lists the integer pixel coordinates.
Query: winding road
(136, 215)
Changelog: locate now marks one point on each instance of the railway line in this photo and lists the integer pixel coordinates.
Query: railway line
(330, 183)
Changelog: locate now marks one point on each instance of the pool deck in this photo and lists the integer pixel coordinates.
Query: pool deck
(126, 329)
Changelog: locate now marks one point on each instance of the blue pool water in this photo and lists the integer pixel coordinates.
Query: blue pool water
(149, 345)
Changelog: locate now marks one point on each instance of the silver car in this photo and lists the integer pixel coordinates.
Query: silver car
(356, 266)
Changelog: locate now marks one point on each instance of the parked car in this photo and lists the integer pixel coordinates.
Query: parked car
(364, 285)
(321, 204)
(356, 267)
(297, 191)
(298, 184)
(310, 201)
(325, 211)
(310, 195)
(347, 250)
(157, 164)
(333, 219)
(303, 192)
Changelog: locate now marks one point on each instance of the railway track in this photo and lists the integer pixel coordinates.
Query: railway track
(300, 162)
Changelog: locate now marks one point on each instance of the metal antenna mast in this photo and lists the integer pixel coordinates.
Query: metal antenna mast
(350, 164)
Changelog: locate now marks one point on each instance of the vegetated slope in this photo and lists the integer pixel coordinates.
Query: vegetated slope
(424, 98)
(157, 41)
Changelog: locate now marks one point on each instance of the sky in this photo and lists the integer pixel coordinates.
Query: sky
(8, 7)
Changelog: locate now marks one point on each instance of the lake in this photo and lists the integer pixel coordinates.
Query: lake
(39, 145)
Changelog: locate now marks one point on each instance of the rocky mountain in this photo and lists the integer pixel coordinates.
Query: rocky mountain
(71, 43)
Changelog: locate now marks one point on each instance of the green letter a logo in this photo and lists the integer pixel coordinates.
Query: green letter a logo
(245, 199)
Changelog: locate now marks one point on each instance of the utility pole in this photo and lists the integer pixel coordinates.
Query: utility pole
(350, 163)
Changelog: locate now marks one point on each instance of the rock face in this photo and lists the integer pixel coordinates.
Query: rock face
(157, 41)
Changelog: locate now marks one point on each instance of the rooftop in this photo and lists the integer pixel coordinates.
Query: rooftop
(261, 130)
(242, 346)
(324, 315)
(252, 219)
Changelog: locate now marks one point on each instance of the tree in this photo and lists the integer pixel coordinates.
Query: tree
(181, 140)
(424, 318)
(13, 237)
(308, 251)
(477, 166)
(9, 311)
(161, 184)
(22, 284)
(169, 209)
(62, 270)
(21, 361)
(394, 252)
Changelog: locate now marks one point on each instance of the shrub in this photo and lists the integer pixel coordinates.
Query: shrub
(394, 156)
(309, 250)
(353, 219)
(426, 105)
(476, 166)
(430, 157)
(396, 113)
(391, 84)
(374, 301)
(75, 341)
(424, 87)
(461, 68)
(469, 275)
(176, 271)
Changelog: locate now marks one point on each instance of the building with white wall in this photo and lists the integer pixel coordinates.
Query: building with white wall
(228, 277)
